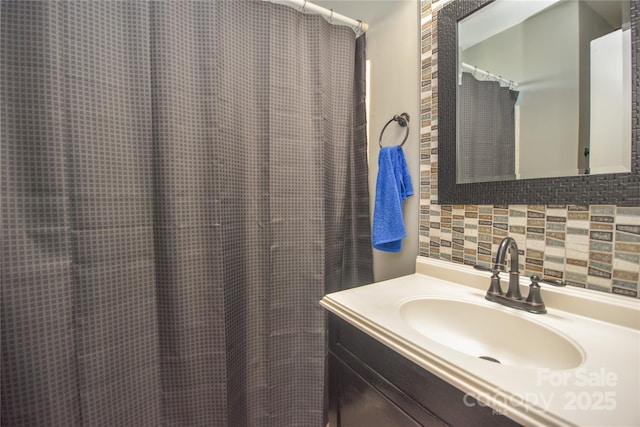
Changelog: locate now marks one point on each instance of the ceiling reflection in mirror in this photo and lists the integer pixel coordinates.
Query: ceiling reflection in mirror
(544, 90)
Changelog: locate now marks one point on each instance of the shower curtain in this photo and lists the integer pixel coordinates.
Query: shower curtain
(181, 183)
(486, 131)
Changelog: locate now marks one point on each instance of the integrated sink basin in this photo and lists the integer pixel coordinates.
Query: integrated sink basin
(491, 333)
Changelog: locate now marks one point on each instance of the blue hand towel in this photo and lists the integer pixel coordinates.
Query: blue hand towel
(393, 186)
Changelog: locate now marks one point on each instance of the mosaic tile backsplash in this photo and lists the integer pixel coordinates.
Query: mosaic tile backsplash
(595, 247)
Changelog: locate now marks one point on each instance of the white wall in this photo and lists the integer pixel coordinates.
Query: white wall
(611, 103)
(553, 70)
(592, 26)
(393, 50)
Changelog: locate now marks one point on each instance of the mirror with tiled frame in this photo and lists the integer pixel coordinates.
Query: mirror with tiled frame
(622, 189)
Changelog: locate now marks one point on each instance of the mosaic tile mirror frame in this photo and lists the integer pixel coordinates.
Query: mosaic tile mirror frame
(593, 246)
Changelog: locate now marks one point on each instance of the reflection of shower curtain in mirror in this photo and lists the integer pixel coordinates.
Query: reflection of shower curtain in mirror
(486, 131)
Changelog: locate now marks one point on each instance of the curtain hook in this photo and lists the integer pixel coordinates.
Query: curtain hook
(359, 29)
(331, 16)
(304, 6)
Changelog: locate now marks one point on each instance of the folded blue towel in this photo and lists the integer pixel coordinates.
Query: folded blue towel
(393, 186)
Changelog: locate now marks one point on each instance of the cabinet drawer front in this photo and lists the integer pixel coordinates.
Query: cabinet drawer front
(359, 404)
(413, 388)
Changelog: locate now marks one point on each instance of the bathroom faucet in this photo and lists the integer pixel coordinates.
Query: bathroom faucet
(513, 298)
(509, 243)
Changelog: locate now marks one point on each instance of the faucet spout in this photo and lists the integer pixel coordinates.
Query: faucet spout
(509, 244)
(533, 303)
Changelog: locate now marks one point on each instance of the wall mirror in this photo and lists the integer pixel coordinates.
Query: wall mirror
(538, 102)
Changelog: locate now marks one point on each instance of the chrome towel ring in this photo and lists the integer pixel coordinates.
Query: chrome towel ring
(403, 121)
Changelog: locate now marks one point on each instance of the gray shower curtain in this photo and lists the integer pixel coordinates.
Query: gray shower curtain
(486, 131)
(181, 183)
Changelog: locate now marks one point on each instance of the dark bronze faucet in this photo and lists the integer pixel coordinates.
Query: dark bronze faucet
(509, 243)
(513, 298)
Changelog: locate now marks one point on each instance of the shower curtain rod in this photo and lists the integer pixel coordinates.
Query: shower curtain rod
(475, 70)
(335, 18)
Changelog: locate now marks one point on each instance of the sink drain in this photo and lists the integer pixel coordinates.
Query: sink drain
(489, 358)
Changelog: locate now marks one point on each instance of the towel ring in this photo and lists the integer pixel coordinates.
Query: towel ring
(403, 121)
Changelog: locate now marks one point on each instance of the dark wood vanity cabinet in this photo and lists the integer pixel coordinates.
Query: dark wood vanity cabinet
(371, 385)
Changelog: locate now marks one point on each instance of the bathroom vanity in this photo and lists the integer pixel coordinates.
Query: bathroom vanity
(428, 349)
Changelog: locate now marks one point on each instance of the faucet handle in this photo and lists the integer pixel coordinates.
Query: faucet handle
(534, 299)
(497, 268)
(495, 288)
(555, 282)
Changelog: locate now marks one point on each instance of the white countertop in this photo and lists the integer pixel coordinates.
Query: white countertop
(603, 391)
